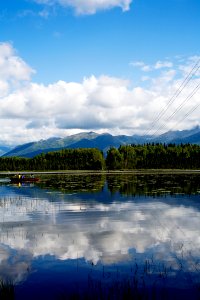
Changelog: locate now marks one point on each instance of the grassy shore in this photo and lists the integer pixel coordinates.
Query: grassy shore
(107, 172)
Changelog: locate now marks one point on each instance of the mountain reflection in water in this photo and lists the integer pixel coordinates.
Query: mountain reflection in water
(71, 226)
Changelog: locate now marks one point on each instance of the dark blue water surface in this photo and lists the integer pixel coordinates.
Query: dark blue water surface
(96, 236)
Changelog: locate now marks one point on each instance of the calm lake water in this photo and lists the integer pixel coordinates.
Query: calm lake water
(118, 236)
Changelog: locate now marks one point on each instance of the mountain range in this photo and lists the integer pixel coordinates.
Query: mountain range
(4, 149)
(102, 141)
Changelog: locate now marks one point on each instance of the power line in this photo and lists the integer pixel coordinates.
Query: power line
(179, 90)
(188, 113)
(195, 90)
(185, 82)
(184, 102)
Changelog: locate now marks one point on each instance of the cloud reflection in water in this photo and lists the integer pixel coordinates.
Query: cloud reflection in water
(98, 232)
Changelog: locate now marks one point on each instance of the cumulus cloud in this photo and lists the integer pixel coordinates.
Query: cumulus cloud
(12, 67)
(96, 103)
(89, 6)
(13, 70)
(103, 104)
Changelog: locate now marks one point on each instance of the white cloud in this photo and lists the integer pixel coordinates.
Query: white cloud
(147, 68)
(89, 6)
(191, 62)
(137, 63)
(141, 65)
(4, 87)
(12, 67)
(163, 64)
(13, 70)
(44, 14)
(103, 104)
(96, 103)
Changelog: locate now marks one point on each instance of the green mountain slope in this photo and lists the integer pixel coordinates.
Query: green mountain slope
(101, 141)
(51, 144)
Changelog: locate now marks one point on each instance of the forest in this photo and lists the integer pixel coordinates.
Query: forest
(147, 156)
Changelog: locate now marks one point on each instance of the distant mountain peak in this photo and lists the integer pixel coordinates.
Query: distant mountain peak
(102, 141)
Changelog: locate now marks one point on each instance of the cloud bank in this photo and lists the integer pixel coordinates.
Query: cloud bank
(89, 6)
(102, 104)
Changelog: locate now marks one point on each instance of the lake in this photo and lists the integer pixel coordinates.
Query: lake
(102, 236)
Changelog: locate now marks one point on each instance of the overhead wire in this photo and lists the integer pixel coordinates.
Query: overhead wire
(184, 102)
(185, 82)
(195, 90)
(189, 112)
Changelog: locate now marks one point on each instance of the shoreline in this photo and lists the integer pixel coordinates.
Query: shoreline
(106, 172)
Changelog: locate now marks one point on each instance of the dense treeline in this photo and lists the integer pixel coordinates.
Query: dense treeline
(148, 156)
(67, 159)
(154, 156)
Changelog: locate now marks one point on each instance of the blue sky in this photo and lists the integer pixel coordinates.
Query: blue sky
(102, 65)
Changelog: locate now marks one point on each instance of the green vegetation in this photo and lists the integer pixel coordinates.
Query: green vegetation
(154, 156)
(67, 159)
(73, 183)
(148, 156)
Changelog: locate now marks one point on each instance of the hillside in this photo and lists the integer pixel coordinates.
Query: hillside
(4, 149)
(51, 144)
(101, 141)
(177, 137)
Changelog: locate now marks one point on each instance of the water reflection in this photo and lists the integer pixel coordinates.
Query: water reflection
(122, 220)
